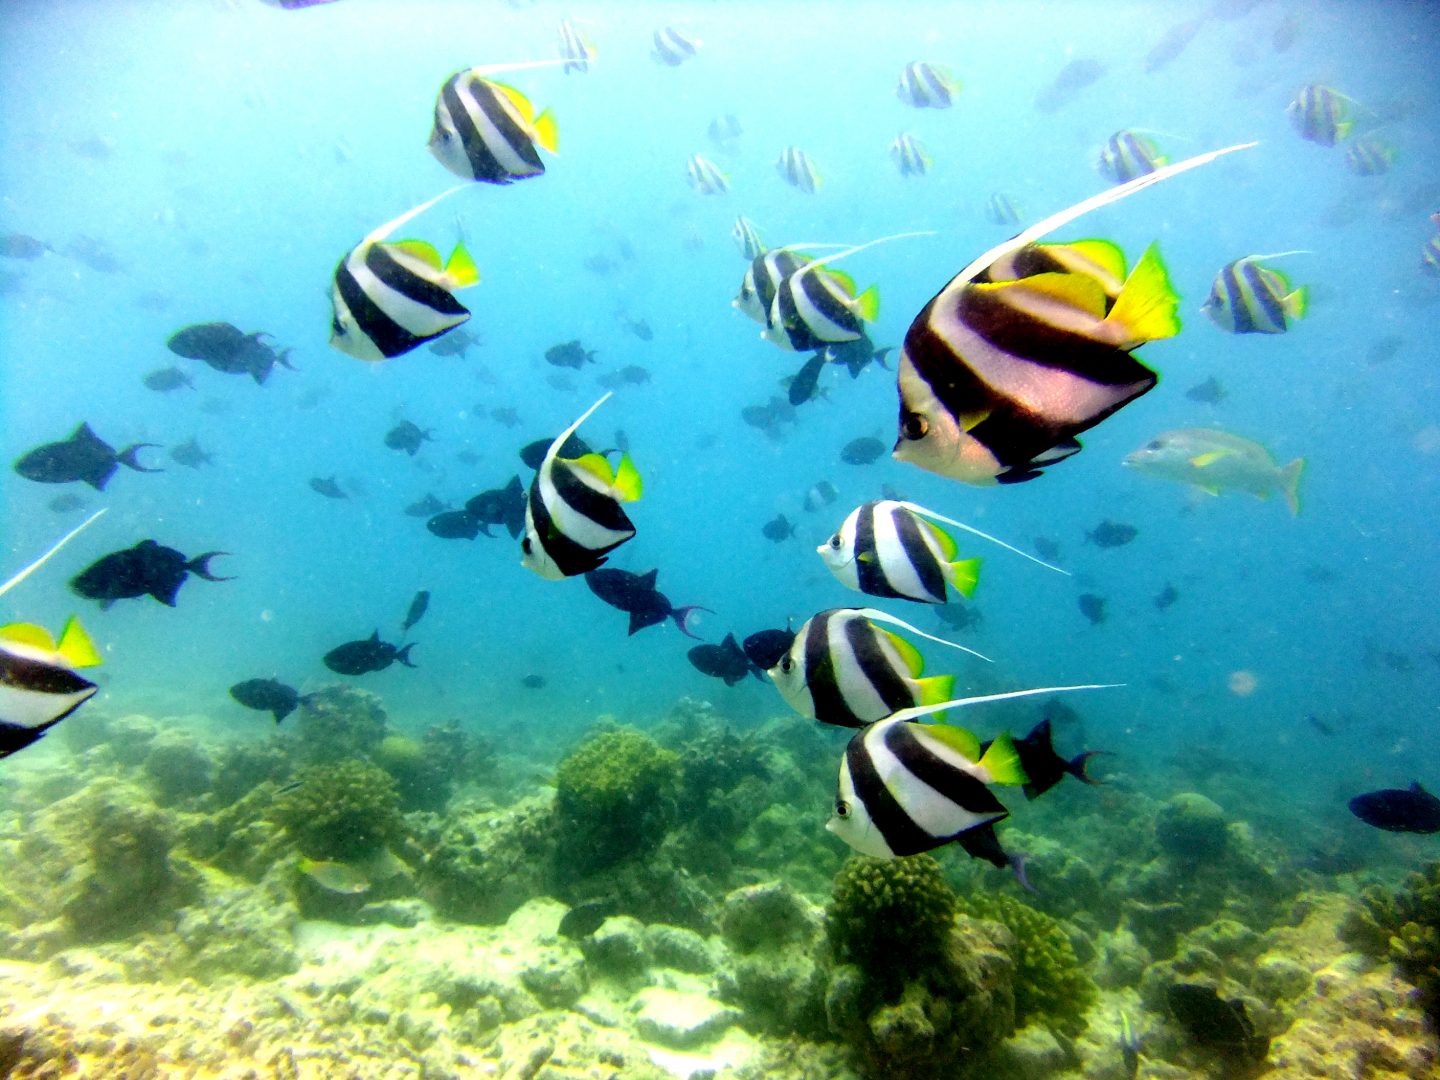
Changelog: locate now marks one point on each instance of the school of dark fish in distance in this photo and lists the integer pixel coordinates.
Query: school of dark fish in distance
(1026, 348)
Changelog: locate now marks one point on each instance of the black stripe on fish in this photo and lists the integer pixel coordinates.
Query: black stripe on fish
(955, 784)
(1265, 300)
(825, 692)
(484, 98)
(603, 509)
(922, 560)
(877, 668)
(571, 557)
(902, 835)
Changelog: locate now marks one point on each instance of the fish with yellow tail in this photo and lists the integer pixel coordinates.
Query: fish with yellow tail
(573, 517)
(1249, 298)
(1216, 461)
(391, 296)
(1030, 345)
(488, 131)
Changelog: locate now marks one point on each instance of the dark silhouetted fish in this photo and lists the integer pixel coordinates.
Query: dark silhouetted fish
(20, 246)
(533, 682)
(806, 381)
(636, 595)
(1049, 549)
(147, 569)
(456, 343)
(418, 607)
(582, 920)
(363, 657)
(1092, 607)
(500, 506)
(429, 506)
(1209, 392)
(164, 380)
(858, 354)
(1044, 767)
(820, 496)
(1171, 44)
(764, 648)
(406, 436)
(778, 529)
(1222, 1026)
(455, 525)
(190, 454)
(1411, 809)
(326, 485)
(1166, 596)
(865, 450)
(507, 416)
(725, 661)
(570, 354)
(532, 454)
(66, 503)
(1071, 79)
(640, 328)
(228, 349)
(1112, 534)
(83, 456)
(269, 695)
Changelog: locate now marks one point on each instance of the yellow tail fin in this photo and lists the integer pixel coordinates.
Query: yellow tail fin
(935, 689)
(1148, 306)
(1296, 303)
(546, 133)
(867, 304)
(76, 646)
(1290, 484)
(461, 269)
(964, 574)
(628, 485)
(1002, 762)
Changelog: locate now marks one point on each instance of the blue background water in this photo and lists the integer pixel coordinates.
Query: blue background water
(250, 148)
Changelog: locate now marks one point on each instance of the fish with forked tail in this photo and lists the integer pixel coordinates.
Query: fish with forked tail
(366, 655)
(83, 456)
(147, 569)
(1216, 461)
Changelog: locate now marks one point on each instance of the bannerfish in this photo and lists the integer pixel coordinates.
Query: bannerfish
(418, 606)
(455, 525)
(327, 486)
(573, 517)
(924, 85)
(865, 450)
(575, 48)
(888, 549)
(1001, 209)
(1128, 154)
(764, 648)
(845, 670)
(797, 170)
(637, 596)
(190, 454)
(500, 506)
(1411, 809)
(147, 569)
(406, 436)
(1247, 298)
(726, 661)
(1430, 257)
(778, 529)
(1321, 115)
(910, 155)
(389, 297)
(366, 655)
(1029, 346)
(1111, 534)
(673, 46)
(429, 506)
(164, 380)
(762, 279)
(747, 238)
(705, 176)
(39, 686)
(269, 695)
(1370, 157)
(1216, 461)
(83, 456)
(569, 354)
(487, 131)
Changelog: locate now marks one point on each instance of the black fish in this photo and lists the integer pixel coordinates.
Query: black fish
(363, 657)
(500, 506)
(1319, 725)
(1070, 80)
(858, 354)
(982, 843)
(326, 485)
(147, 569)
(455, 525)
(634, 374)
(764, 648)
(66, 503)
(636, 595)
(1411, 809)
(1223, 1026)
(20, 246)
(427, 507)
(1167, 596)
(1048, 549)
(640, 328)
(582, 920)
(532, 454)
(269, 695)
(164, 380)
(959, 616)
(778, 529)
(190, 454)
(1111, 534)
(807, 380)
(865, 450)
(418, 607)
(406, 436)
(570, 354)
(1092, 607)
(506, 415)
(1043, 765)
(456, 343)
(724, 661)
(228, 349)
(533, 682)
(1209, 392)
(83, 456)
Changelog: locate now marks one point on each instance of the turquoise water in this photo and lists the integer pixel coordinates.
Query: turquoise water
(228, 154)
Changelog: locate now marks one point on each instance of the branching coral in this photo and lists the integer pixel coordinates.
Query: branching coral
(889, 915)
(1050, 984)
(343, 811)
(1404, 927)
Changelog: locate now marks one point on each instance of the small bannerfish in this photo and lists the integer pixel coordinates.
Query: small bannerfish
(1128, 154)
(1370, 157)
(1001, 209)
(487, 131)
(1411, 809)
(762, 280)
(888, 549)
(673, 47)
(1029, 346)
(390, 297)
(747, 238)
(1322, 115)
(705, 176)
(83, 456)
(147, 569)
(1248, 298)
(38, 683)
(910, 155)
(924, 85)
(336, 877)
(575, 48)
(573, 517)
(797, 170)
(844, 669)
(1216, 461)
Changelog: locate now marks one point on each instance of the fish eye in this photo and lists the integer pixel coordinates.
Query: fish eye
(842, 808)
(335, 327)
(913, 426)
(787, 665)
(1154, 444)
(836, 542)
(525, 545)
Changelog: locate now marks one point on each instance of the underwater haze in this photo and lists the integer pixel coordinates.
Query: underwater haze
(535, 844)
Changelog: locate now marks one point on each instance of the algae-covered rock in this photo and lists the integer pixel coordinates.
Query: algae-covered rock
(555, 975)
(770, 914)
(774, 969)
(1191, 829)
(680, 948)
(238, 930)
(680, 1019)
(178, 768)
(617, 950)
(480, 866)
(422, 781)
(340, 722)
(343, 811)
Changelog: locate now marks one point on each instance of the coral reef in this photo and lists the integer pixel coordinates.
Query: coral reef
(773, 969)
(342, 811)
(889, 915)
(1191, 829)
(1403, 926)
(480, 866)
(340, 722)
